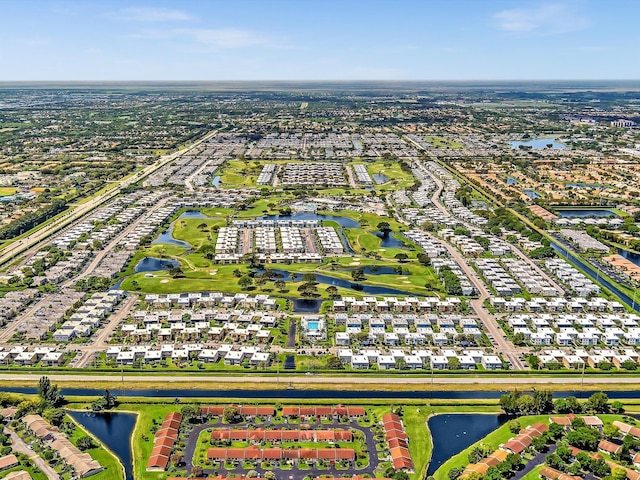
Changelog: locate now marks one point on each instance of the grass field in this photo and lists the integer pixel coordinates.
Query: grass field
(6, 191)
(240, 173)
(397, 177)
(441, 142)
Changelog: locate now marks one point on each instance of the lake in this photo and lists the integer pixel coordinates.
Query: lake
(389, 241)
(113, 430)
(584, 212)
(540, 143)
(153, 264)
(452, 433)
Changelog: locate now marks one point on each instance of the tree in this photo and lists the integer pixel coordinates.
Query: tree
(629, 365)
(231, 414)
(543, 401)
(401, 257)
(514, 427)
(332, 291)
(85, 443)
(509, 402)
(454, 473)
(584, 438)
(280, 285)
(237, 273)
(610, 431)
(598, 403)
(526, 405)
(534, 361)
(554, 461)
(617, 407)
(55, 416)
(334, 363)
(48, 393)
(197, 471)
(176, 272)
(384, 228)
(424, 259)
(245, 282)
(269, 475)
(539, 443)
(618, 473)
(357, 275)
(453, 363)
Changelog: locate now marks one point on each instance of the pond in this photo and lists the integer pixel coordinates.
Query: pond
(306, 305)
(193, 214)
(540, 143)
(511, 181)
(167, 237)
(114, 431)
(453, 433)
(339, 282)
(215, 181)
(584, 212)
(531, 194)
(379, 178)
(377, 270)
(342, 221)
(153, 264)
(389, 241)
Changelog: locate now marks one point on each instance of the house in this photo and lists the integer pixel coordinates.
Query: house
(8, 461)
(491, 362)
(606, 446)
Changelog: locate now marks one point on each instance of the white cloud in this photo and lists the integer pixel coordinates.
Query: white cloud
(547, 19)
(225, 37)
(152, 14)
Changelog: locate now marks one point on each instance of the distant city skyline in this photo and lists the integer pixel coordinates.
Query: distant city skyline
(116, 40)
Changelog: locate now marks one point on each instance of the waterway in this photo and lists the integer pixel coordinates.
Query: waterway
(632, 257)
(153, 264)
(586, 185)
(114, 430)
(564, 253)
(275, 394)
(452, 433)
(584, 212)
(541, 143)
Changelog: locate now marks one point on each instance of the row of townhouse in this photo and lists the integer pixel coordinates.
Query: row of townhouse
(267, 174)
(49, 311)
(571, 277)
(22, 355)
(177, 353)
(329, 240)
(239, 300)
(417, 359)
(465, 284)
(89, 316)
(580, 358)
(281, 222)
(313, 174)
(362, 175)
(432, 248)
(497, 277)
(153, 220)
(556, 304)
(14, 302)
(393, 304)
(233, 258)
(195, 331)
(530, 277)
(584, 241)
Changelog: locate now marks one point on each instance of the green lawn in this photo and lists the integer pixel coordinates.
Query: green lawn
(197, 231)
(420, 444)
(397, 177)
(441, 142)
(7, 191)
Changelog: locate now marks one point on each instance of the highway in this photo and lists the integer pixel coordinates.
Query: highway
(10, 251)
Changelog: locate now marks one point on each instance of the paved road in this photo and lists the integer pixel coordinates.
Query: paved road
(18, 445)
(506, 348)
(77, 212)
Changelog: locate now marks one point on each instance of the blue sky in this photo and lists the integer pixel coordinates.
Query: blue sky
(319, 40)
